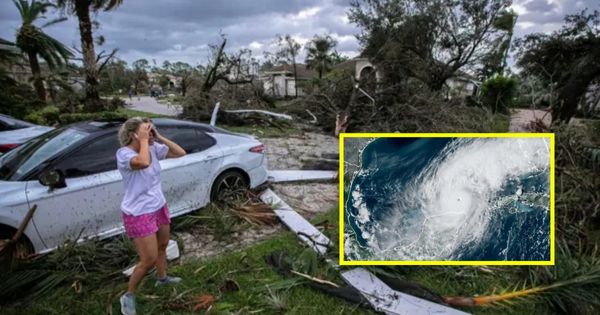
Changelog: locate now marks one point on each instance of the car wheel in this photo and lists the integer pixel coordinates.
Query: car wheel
(229, 186)
(21, 249)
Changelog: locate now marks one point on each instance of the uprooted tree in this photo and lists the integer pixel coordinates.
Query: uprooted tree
(428, 40)
(228, 79)
(566, 60)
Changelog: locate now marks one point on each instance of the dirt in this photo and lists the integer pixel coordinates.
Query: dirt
(308, 199)
(521, 119)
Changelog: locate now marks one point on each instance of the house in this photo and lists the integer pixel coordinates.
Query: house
(361, 68)
(279, 81)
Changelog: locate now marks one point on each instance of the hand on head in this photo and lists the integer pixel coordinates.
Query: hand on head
(143, 132)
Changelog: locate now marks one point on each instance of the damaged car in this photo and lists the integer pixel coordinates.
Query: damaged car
(71, 174)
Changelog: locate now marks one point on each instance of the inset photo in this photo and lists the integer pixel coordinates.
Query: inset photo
(447, 199)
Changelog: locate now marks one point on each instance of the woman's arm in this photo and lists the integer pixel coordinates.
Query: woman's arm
(142, 160)
(175, 150)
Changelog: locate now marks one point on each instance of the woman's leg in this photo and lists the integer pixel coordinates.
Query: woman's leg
(147, 248)
(163, 241)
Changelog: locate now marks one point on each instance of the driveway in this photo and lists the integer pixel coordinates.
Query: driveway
(521, 118)
(150, 105)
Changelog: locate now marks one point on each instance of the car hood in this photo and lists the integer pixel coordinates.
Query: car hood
(23, 134)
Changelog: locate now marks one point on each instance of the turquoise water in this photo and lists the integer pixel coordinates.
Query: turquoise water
(450, 199)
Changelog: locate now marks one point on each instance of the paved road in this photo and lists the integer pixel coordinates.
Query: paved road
(150, 105)
(520, 119)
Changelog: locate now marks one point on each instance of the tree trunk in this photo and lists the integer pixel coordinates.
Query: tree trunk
(92, 97)
(38, 83)
(570, 94)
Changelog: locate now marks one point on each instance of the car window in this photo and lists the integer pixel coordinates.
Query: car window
(95, 157)
(24, 158)
(190, 139)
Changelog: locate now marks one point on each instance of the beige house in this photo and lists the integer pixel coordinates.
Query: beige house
(280, 82)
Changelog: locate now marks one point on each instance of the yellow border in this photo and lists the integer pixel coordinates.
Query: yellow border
(343, 136)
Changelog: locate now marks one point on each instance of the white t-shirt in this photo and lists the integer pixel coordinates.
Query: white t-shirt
(143, 191)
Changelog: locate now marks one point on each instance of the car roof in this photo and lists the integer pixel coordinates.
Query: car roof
(103, 125)
(13, 121)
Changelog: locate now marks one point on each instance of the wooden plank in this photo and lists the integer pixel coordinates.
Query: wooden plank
(295, 222)
(292, 176)
(385, 299)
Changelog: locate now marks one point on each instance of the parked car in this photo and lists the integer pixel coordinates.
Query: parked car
(70, 174)
(13, 132)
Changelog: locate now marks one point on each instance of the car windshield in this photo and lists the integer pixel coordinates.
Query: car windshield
(24, 158)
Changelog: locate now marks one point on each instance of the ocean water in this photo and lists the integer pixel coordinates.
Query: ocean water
(450, 199)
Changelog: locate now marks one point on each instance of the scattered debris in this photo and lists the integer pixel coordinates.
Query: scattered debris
(384, 299)
(292, 176)
(305, 231)
(5, 243)
(256, 213)
(213, 118)
(259, 111)
(204, 302)
(229, 286)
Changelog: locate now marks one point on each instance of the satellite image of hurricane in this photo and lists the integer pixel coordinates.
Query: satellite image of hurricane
(452, 199)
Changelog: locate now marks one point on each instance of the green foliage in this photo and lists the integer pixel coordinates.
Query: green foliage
(426, 40)
(47, 116)
(17, 99)
(69, 118)
(566, 58)
(319, 55)
(498, 93)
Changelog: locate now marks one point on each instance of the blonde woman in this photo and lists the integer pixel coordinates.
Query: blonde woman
(144, 208)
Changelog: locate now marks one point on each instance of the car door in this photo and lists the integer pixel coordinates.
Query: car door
(89, 205)
(186, 180)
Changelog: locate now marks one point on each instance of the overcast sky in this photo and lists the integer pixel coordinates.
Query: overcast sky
(179, 30)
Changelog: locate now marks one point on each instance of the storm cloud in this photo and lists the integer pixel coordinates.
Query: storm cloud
(182, 30)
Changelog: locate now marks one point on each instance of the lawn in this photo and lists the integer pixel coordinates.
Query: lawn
(263, 291)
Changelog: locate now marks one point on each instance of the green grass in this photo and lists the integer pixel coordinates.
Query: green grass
(136, 113)
(259, 285)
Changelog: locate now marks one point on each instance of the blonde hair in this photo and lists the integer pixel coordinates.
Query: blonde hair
(129, 128)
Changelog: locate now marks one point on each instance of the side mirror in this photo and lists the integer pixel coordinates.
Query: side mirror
(53, 179)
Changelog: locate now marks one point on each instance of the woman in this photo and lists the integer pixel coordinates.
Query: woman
(144, 208)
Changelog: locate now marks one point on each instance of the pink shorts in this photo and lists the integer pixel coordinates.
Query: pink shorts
(146, 224)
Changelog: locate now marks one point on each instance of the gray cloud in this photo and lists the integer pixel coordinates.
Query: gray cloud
(183, 29)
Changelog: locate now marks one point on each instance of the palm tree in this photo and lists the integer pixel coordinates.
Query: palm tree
(319, 55)
(33, 42)
(81, 9)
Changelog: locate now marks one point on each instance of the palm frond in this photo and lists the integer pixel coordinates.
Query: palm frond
(55, 21)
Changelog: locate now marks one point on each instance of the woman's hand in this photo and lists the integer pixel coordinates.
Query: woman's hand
(143, 132)
(156, 134)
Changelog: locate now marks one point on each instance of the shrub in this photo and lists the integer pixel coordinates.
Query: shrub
(70, 118)
(48, 116)
(18, 99)
(115, 103)
(498, 93)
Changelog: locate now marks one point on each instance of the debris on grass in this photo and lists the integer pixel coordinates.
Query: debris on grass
(202, 302)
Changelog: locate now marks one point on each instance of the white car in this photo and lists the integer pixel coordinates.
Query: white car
(13, 132)
(70, 174)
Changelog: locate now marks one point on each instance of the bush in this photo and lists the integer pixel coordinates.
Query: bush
(70, 118)
(498, 93)
(18, 99)
(115, 103)
(47, 116)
